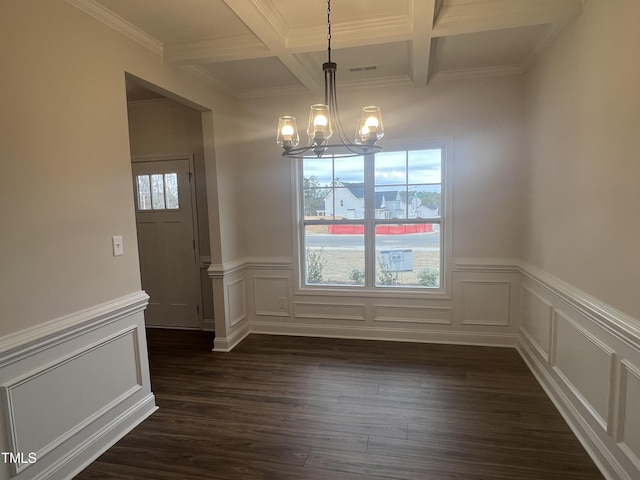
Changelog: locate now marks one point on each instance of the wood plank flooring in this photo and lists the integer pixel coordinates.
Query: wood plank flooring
(290, 408)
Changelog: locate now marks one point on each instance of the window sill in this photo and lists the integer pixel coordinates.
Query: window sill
(376, 292)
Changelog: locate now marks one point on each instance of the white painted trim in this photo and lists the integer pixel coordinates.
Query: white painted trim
(486, 265)
(386, 334)
(605, 423)
(425, 321)
(119, 24)
(233, 321)
(626, 370)
(226, 344)
(616, 323)
(22, 344)
(547, 356)
(357, 318)
(220, 270)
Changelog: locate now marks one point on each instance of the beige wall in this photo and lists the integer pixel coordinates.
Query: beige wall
(65, 184)
(583, 119)
(482, 116)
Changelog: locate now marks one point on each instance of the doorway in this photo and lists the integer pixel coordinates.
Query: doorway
(167, 241)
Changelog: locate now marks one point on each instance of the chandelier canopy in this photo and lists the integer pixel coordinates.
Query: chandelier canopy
(324, 122)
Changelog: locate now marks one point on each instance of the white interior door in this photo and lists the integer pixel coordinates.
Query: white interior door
(166, 242)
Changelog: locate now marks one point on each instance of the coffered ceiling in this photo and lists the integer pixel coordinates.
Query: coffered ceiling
(251, 48)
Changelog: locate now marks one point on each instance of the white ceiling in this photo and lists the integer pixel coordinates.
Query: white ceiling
(252, 48)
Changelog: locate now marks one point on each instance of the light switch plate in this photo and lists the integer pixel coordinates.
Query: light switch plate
(118, 248)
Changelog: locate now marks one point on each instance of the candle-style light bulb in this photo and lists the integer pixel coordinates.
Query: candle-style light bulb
(369, 129)
(287, 133)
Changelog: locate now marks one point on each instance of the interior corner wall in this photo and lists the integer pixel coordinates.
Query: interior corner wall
(580, 309)
(581, 215)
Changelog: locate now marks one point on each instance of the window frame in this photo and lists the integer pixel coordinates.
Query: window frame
(370, 289)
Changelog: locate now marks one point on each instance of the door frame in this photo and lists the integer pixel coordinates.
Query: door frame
(194, 219)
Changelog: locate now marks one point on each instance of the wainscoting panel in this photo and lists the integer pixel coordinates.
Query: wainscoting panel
(412, 314)
(330, 311)
(586, 365)
(277, 306)
(271, 295)
(236, 300)
(72, 387)
(68, 412)
(537, 315)
(586, 355)
(485, 302)
(629, 413)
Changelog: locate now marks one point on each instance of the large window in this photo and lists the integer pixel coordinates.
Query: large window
(373, 221)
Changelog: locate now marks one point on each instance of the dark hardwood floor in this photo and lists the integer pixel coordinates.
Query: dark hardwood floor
(285, 408)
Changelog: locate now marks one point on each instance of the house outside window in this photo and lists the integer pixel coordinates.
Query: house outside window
(374, 221)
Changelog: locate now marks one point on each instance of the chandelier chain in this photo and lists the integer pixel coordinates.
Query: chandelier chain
(329, 29)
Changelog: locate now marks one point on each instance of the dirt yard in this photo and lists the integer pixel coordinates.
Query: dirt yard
(340, 263)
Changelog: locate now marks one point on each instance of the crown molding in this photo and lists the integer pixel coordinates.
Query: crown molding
(202, 74)
(213, 50)
(481, 72)
(500, 14)
(119, 24)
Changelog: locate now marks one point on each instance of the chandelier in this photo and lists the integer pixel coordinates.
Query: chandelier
(324, 118)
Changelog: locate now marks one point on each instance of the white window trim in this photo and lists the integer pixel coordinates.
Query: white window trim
(444, 292)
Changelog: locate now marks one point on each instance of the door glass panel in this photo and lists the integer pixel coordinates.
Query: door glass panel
(157, 192)
(144, 192)
(171, 190)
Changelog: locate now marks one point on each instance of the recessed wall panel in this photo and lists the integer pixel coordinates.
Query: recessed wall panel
(485, 303)
(537, 314)
(330, 311)
(78, 389)
(411, 314)
(236, 300)
(629, 434)
(586, 365)
(271, 295)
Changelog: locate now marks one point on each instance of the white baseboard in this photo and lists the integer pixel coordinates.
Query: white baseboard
(386, 334)
(226, 344)
(84, 454)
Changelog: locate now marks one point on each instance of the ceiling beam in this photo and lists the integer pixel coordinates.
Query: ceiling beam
(472, 17)
(266, 22)
(423, 14)
(214, 50)
(356, 33)
(299, 40)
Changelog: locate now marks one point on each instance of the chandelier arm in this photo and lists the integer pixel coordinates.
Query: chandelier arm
(333, 107)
